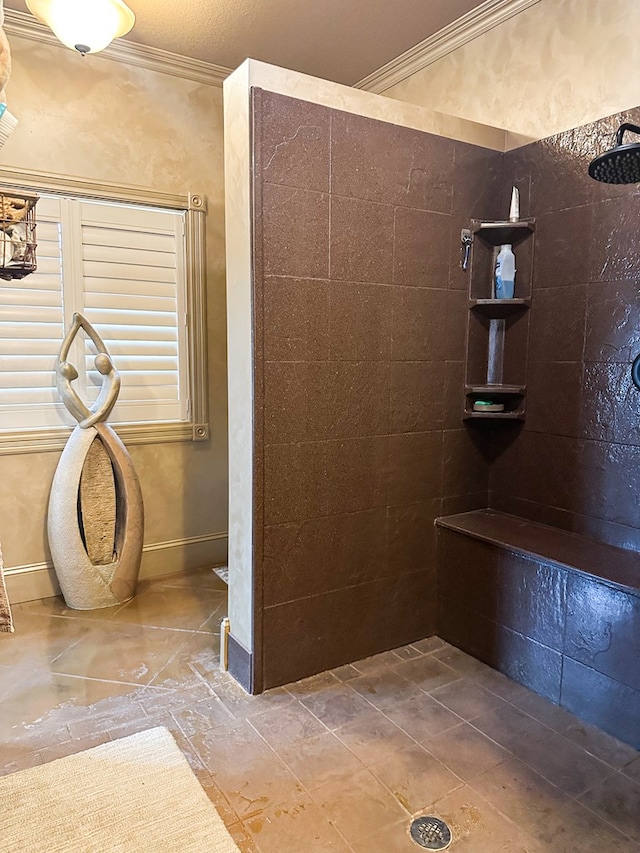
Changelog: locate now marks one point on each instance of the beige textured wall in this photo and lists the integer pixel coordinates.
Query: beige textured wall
(557, 65)
(101, 120)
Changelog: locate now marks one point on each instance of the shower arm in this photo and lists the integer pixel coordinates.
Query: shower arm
(633, 128)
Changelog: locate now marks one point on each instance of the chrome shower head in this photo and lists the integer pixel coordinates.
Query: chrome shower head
(621, 165)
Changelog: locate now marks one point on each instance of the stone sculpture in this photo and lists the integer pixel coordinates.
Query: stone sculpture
(96, 517)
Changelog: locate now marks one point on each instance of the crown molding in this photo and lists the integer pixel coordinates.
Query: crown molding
(480, 20)
(25, 26)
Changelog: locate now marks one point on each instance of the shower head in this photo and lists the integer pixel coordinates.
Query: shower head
(621, 165)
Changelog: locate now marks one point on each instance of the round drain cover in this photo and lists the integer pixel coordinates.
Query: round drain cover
(431, 833)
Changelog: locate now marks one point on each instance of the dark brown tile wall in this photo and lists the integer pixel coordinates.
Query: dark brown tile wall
(360, 312)
(560, 632)
(574, 464)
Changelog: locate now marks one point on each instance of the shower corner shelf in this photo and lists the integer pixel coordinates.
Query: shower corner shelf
(498, 329)
(498, 308)
(512, 397)
(499, 233)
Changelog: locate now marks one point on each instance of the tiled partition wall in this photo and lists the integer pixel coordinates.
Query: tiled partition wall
(575, 463)
(359, 340)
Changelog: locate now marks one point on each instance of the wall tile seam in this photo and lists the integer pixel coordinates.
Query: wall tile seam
(493, 494)
(395, 205)
(571, 572)
(303, 522)
(362, 361)
(631, 687)
(604, 442)
(386, 506)
(271, 277)
(426, 573)
(341, 439)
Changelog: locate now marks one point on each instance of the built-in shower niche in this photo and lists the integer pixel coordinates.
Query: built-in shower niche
(498, 329)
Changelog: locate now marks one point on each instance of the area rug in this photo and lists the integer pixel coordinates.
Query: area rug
(6, 623)
(133, 794)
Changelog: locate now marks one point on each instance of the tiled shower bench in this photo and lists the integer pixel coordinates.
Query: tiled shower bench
(554, 611)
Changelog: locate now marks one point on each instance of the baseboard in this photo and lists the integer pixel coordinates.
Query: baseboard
(240, 663)
(38, 580)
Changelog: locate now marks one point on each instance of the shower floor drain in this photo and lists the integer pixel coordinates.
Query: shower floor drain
(431, 833)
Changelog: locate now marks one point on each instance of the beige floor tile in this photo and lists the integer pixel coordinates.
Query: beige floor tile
(39, 639)
(427, 672)
(336, 705)
(466, 751)
(467, 698)
(345, 673)
(460, 661)
(42, 710)
(163, 606)
(196, 580)
(421, 717)
(600, 744)
(288, 726)
(13, 677)
(550, 754)
(544, 711)
(390, 839)
(56, 606)
(511, 728)
(319, 760)
(202, 716)
(632, 770)
(297, 826)
(616, 800)
(577, 828)
(196, 661)
(241, 704)
(524, 843)
(382, 687)
(566, 765)
(117, 652)
(358, 805)
(520, 794)
(430, 644)
(314, 684)
(376, 662)
(242, 838)
(499, 684)
(475, 825)
(373, 737)
(415, 778)
(255, 787)
(223, 746)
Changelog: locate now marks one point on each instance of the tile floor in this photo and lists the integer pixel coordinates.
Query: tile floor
(336, 762)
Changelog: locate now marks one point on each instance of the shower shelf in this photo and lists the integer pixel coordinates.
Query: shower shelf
(498, 308)
(498, 329)
(511, 396)
(495, 416)
(499, 233)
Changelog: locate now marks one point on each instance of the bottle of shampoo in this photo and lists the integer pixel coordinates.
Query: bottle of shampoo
(505, 272)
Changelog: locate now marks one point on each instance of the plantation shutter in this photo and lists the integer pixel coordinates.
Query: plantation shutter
(31, 330)
(122, 266)
(132, 268)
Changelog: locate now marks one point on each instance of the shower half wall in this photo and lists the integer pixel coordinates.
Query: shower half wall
(347, 313)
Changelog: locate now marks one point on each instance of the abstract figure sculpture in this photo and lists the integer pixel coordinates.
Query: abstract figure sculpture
(96, 517)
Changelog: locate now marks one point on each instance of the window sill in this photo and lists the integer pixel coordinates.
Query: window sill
(43, 440)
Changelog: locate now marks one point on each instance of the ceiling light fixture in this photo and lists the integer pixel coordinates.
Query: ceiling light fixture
(84, 25)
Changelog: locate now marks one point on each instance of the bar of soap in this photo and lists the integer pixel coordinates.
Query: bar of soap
(487, 406)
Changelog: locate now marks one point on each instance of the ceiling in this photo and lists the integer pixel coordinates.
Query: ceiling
(339, 40)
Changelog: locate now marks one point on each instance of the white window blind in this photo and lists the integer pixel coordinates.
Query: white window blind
(123, 267)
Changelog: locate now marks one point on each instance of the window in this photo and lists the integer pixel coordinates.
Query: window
(136, 272)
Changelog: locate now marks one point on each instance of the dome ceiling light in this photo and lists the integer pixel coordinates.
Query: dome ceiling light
(84, 25)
